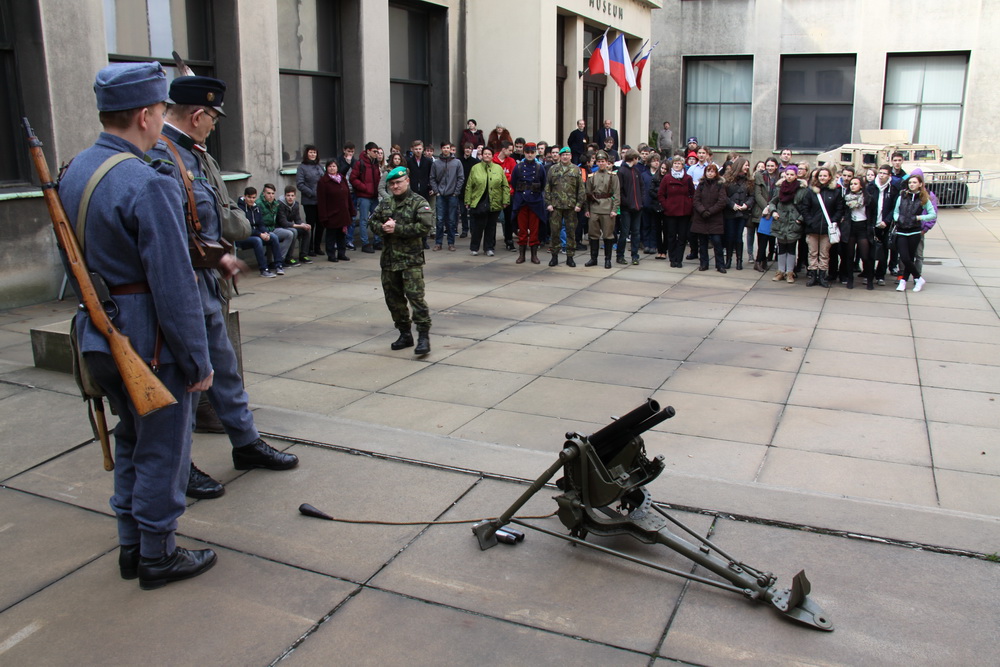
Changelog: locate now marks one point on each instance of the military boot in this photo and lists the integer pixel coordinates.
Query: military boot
(813, 278)
(595, 248)
(555, 257)
(520, 254)
(405, 340)
(570, 262)
(423, 344)
(823, 282)
(534, 255)
(608, 248)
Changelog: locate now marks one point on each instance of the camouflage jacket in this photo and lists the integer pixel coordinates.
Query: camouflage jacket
(404, 248)
(564, 187)
(603, 192)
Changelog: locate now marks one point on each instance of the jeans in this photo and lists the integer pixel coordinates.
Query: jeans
(257, 244)
(716, 240)
(447, 218)
(630, 222)
(285, 237)
(365, 208)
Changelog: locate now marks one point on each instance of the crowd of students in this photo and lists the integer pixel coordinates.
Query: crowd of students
(833, 226)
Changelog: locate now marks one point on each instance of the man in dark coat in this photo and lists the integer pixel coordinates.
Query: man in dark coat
(577, 141)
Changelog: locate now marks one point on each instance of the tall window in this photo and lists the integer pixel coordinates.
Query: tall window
(816, 102)
(309, 62)
(11, 138)
(924, 94)
(409, 74)
(717, 96)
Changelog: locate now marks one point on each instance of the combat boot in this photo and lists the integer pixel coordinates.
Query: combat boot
(570, 262)
(813, 278)
(823, 282)
(423, 344)
(552, 262)
(595, 248)
(520, 254)
(534, 255)
(405, 340)
(608, 247)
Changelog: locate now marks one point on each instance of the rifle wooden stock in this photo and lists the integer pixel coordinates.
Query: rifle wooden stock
(145, 389)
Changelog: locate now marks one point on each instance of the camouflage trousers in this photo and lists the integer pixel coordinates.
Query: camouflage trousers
(556, 219)
(400, 287)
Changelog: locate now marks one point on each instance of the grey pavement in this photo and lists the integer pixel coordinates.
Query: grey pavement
(854, 434)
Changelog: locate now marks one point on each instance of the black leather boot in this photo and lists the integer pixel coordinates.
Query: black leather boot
(729, 258)
(555, 258)
(520, 254)
(813, 278)
(823, 282)
(201, 486)
(423, 344)
(205, 419)
(534, 255)
(739, 256)
(405, 340)
(595, 248)
(259, 454)
(128, 561)
(608, 248)
(570, 262)
(182, 564)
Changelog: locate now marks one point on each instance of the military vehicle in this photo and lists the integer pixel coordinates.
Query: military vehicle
(949, 183)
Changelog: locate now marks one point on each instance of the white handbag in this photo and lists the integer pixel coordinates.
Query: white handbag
(834, 229)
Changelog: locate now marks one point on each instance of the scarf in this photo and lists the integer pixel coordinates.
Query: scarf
(787, 190)
(335, 178)
(678, 174)
(854, 200)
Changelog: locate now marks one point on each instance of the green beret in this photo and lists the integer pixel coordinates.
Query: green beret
(564, 149)
(398, 172)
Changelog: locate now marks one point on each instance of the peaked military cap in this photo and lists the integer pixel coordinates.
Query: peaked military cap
(200, 91)
(121, 86)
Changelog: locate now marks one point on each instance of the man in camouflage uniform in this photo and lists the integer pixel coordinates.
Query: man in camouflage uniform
(565, 195)
(404, 220)
(603, 193)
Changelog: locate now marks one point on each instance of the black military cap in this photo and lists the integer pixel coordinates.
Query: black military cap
(202, 91)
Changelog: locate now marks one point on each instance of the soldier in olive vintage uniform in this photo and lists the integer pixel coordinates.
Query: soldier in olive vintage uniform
(565, 195)
(404, 220)
(603, 190)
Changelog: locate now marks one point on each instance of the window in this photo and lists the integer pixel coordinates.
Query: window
(717, 95)
(12, 141)
(816, 105)
(925, 94)
(593, 85)
(409, 74)
(310, 84)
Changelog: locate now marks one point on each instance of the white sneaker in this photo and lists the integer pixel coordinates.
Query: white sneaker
(489, 253)
(475, 253)
(918, 284)
(901, 286)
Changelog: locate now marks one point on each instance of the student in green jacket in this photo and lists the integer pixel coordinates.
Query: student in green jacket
(486, 194)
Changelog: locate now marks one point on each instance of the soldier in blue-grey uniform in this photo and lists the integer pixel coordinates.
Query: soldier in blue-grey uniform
(134, 239)
(196, 106)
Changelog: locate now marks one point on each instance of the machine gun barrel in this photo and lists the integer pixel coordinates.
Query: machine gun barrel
(627, 422)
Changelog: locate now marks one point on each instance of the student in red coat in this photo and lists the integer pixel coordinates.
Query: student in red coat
(336, 210)
(676, 195)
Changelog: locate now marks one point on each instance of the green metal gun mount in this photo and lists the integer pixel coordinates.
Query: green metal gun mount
(610, 466)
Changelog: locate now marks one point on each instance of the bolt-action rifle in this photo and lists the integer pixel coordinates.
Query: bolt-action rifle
(145, 389)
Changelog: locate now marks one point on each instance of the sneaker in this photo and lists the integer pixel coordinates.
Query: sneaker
(489, 253)
(901, 286)
(475, 253)
(266, 274)
(290, 263)
(881, 282)
(635, 261)
(918, 284)
(350, 246)
(306, 260)
(279, 270)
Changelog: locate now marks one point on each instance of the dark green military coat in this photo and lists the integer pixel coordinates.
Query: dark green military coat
(404, 248)
(564, 187)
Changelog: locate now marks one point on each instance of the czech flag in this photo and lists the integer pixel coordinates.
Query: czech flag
(598, 63)
(640, 64)
(620, 65)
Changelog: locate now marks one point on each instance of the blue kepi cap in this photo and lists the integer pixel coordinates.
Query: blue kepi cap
(122, 86)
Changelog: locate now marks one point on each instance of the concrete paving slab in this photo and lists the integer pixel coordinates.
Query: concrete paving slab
(539, 292)
(250, 299)
(965, 448)
(719, 417)
(867, 396)
(854, 434)
(442, 347)
(259, 513)
(614, 301)
(418, 414)
(693, 455)
(866, 308)
(972, 300)
(548, 335)
(711, 293)
(245, 610)
(642, 284)
(490, 305)
(877, 596)
(971, 333)
(657, 346)
(545, 434)
(946, 350)
(50, 422)
(675, 326)
(861, 366)
(271, 359)
(770, 334)
(954, 375)
(848, 476)
(687, 309)
(36, 532)
(306, 397)
(364, 290)
(968, 491)
(444, 635)
(572, 399)
(961, 407)
(749, 355)
(618, 369)
(462, 325)
(509, 357)
(779, 296)
(30, 377)
(577, 316)
(462, 386)
(864, 323)
(542, 582)
(985, 317)
(358, 371)
(717, 380)
(770, 315)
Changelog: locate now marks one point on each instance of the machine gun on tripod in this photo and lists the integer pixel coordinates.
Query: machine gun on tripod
(611, 466)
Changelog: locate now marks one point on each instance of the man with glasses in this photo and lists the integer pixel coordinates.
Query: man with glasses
(196, 106)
